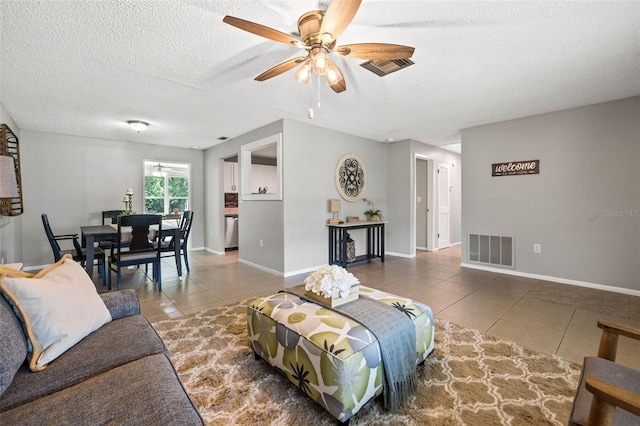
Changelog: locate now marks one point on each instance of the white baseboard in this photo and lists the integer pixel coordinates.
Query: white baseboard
(622, 290)
(391, 253)
(302, 271)
(262, 268)
(455, 244)
(35, 267)
(421, 248)
(214, 251)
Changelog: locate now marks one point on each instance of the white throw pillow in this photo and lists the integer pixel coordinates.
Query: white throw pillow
(58, 307)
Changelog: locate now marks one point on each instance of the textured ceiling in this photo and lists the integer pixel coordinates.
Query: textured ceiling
(86, 67)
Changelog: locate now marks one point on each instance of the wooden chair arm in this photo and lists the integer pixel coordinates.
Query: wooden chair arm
(606, 398)
(65, 236)
(609, 341)
(76, 243)
(620, 329)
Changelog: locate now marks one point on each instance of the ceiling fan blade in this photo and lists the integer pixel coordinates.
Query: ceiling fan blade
(261, 30)
(280, 68)
(375, 51)
(338, 16)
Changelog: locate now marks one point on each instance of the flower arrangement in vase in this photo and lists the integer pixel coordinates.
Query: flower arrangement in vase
(372, 213)
(332, 285)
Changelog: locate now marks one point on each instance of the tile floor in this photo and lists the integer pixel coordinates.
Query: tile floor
(544, 316)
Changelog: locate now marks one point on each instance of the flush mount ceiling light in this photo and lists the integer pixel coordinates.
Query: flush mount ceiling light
(138, 126)
(319, 31)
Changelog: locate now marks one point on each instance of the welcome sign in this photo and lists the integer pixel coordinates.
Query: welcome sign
(516, 168)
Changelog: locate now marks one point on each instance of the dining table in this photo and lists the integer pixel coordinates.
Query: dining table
(92, 234)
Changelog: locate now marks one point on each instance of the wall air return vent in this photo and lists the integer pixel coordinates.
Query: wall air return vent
(491, 250)
(382, 67)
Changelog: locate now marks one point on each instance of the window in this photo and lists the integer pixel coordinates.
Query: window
(166, 187)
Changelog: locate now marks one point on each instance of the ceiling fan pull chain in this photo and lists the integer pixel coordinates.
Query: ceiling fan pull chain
(318, 86)
(310, 112)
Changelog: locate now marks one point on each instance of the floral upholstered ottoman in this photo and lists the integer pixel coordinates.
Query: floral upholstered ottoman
(332, 358)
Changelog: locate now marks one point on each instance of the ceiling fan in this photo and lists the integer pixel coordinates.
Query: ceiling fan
(160, 170)
(319, 31)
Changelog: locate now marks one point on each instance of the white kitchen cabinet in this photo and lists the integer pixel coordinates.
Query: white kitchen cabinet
(230, 177)
(271, 179)
(264, 176)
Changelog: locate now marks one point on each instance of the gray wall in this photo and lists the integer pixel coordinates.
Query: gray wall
(73, 179)
(311, 154)
(10, 226)
(293, 230)
(455, 182)
(256, 219)
(582, 207)
(401, 190)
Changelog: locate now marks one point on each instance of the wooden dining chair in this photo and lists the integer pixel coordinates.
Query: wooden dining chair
(78, 253)
(608, 392)
(185, 230)
(134, 247)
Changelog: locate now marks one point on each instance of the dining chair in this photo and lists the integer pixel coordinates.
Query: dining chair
(133, 245)
(78, 253)
(109, 217)
(608, 392)
(185, 230)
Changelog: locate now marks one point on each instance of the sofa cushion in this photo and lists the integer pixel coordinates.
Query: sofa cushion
(13, 345)
(143, 392)
(114, 344)
(58, 306)
(121, 303)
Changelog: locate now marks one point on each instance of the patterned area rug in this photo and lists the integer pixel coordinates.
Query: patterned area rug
(470, 379)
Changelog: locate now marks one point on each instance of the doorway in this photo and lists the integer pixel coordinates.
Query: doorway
(444, 209)
(422, 212)
(424, 223)
(229, 202)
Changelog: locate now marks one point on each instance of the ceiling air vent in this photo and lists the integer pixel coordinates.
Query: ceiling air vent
(382, 67)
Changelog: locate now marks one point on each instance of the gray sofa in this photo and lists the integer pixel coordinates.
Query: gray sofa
(119, 374)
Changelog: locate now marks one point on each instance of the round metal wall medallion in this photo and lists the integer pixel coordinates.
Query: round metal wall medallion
(351, 177)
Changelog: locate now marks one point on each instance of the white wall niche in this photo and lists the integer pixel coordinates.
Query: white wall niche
(247, 152)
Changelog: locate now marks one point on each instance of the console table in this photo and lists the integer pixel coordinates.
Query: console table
(338, 241)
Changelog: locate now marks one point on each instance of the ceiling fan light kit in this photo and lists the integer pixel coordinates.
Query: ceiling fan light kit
(304, 72)
(319, 31)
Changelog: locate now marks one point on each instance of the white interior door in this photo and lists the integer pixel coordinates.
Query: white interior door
(443, 205)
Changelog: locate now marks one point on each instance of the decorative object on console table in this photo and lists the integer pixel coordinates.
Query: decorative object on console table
(351, 219)
(372, 213)
(10, 177)
(350, 177)
(334, 207)
(351, 249)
